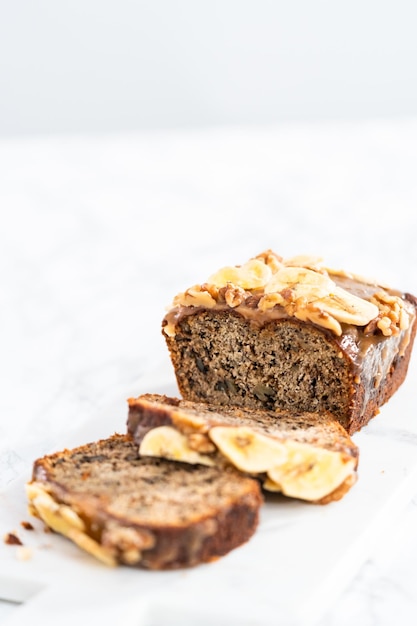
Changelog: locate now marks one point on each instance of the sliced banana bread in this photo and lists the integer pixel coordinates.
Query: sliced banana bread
(307, 456)
(147, 512)
(293, 335)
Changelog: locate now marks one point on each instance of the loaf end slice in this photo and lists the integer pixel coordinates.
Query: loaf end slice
(144, 512)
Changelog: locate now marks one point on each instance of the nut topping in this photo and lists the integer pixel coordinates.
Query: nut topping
(304, 288)
(234, 295)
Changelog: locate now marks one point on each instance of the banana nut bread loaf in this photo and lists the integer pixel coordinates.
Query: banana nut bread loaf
(307, 456)
(293, 335)
(147, 512)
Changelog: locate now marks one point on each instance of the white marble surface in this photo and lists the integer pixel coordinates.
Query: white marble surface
(99, 232)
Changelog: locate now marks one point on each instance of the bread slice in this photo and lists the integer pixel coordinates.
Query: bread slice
(307, 456)
(291, 334)
(145, 512)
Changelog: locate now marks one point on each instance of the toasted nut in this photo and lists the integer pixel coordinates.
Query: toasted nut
(131, 556)
(234, 295)
(271, 259)
(270, 300)
(195, 296)
(384, 324)
(128, 542)
(125, 537)
(169, 443)
(312, 296)
(247, 449)
(201, 443)
(188, 422)
(393, 316)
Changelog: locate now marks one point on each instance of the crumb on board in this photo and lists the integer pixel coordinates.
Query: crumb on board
(24, 553)
(27, 525)
(11, 539)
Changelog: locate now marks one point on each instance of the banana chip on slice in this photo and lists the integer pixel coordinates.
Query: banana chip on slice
(252, 275)
(317, 297)
(247, 449)
(169, 443)
(348, 308)
(309, 473)
(299, 282)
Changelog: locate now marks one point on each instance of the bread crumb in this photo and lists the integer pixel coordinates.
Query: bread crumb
(24, 553)
(11, 539)
(26, 525)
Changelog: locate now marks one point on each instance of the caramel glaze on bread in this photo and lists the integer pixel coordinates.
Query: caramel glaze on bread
(291, 335)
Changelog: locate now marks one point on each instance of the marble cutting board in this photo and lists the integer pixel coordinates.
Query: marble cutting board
(290, 572)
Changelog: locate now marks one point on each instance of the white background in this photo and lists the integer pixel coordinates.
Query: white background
(100, 65)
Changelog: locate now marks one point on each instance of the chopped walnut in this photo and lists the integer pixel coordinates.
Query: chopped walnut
(392, 317)
(384, 324)
(304, 288)
(201, 443)
(129, 541)
(272, 260)
(269, 301)
(252, 301)
(211, 289)
(195, 296)
(234, 295)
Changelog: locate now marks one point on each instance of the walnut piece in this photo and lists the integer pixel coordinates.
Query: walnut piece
(195, 296)
(393, 317)
(234, 295)
(201, 443)
(304, 288)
